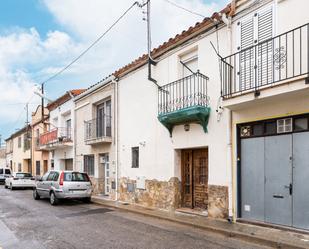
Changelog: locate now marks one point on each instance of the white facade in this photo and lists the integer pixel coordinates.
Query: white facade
(95, 136)
(62, 152)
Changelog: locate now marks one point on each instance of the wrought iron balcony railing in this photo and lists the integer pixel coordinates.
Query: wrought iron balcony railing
(186, 92)
(267, 63)
(98, 128)
(57, 135)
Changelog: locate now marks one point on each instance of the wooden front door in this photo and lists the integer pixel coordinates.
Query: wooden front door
(195, 178)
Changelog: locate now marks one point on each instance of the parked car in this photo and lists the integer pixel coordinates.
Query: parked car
(57, 185)
(20, 180)
(4, 173)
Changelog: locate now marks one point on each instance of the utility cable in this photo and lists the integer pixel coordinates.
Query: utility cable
(93, 44)
(185, 9)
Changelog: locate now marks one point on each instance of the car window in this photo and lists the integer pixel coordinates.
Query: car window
(7, 171)
(1, 171)
(23, 175)
(56, 176)
(75, 177)
(44, 177)
(51, 176)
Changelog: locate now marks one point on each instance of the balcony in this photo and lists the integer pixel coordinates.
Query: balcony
(184, 101)
(268, 64)
(98, 130)
(57, 138)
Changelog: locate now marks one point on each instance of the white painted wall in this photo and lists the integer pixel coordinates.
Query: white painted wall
(85, 110)
(138, 123)
(58, 118)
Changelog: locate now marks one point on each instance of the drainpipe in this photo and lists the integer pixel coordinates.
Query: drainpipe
(115, 82)
(230, 171)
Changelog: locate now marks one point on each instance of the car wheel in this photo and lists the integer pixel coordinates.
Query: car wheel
(36, 195)
(5, 186)
(53, 199)
(11, 187)
(87, 200)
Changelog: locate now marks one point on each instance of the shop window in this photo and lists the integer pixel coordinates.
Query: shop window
(301, 124)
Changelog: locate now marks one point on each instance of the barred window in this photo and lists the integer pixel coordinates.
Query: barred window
(89, 164)
(135, 157)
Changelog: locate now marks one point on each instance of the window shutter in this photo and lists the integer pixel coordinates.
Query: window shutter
(246, 33)
(265, 24)
(265, 50)
(255, 64)
(246, 66)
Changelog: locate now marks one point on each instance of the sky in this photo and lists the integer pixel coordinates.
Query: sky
(39, 37)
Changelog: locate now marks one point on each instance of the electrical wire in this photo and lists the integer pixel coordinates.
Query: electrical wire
(79, 56)
(93, 44)
(185, 9)
(22, 112)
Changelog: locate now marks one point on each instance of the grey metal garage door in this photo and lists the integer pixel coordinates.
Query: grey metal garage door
(274, 179)
(278, 177)
(301, 180)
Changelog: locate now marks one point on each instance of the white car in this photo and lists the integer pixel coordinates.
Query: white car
(20, 180)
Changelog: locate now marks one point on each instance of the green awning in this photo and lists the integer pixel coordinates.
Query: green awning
(194, 114)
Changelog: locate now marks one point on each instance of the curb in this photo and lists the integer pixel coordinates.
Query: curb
(233, 234)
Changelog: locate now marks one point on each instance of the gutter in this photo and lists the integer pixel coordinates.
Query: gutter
(230, 169)
(116, 140)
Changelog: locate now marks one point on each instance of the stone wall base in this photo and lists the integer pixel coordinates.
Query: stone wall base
(167, 195)
(97, 185)
(157, 194)
(218, 201)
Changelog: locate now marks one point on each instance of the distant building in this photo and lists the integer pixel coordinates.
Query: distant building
(59, 139)
(39, 126)
(3, 156)
(18, 150)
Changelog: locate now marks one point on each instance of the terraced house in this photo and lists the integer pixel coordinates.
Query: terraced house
(265, 85)
(39, 125)
(59, 139)
(173, 146)
(18, 150)
(96, 136)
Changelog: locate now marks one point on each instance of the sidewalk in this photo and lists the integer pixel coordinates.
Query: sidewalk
(261, 235)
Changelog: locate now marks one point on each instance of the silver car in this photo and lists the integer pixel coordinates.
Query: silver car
(57, 185)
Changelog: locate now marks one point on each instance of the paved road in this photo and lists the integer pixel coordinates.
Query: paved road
(29, 224)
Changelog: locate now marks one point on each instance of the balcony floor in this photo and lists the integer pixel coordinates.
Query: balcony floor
(198, 114)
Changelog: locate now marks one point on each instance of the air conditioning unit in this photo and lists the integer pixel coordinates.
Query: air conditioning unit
(284, 125)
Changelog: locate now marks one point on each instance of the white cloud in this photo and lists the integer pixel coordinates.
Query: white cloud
(88, 19)
(22, 53)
